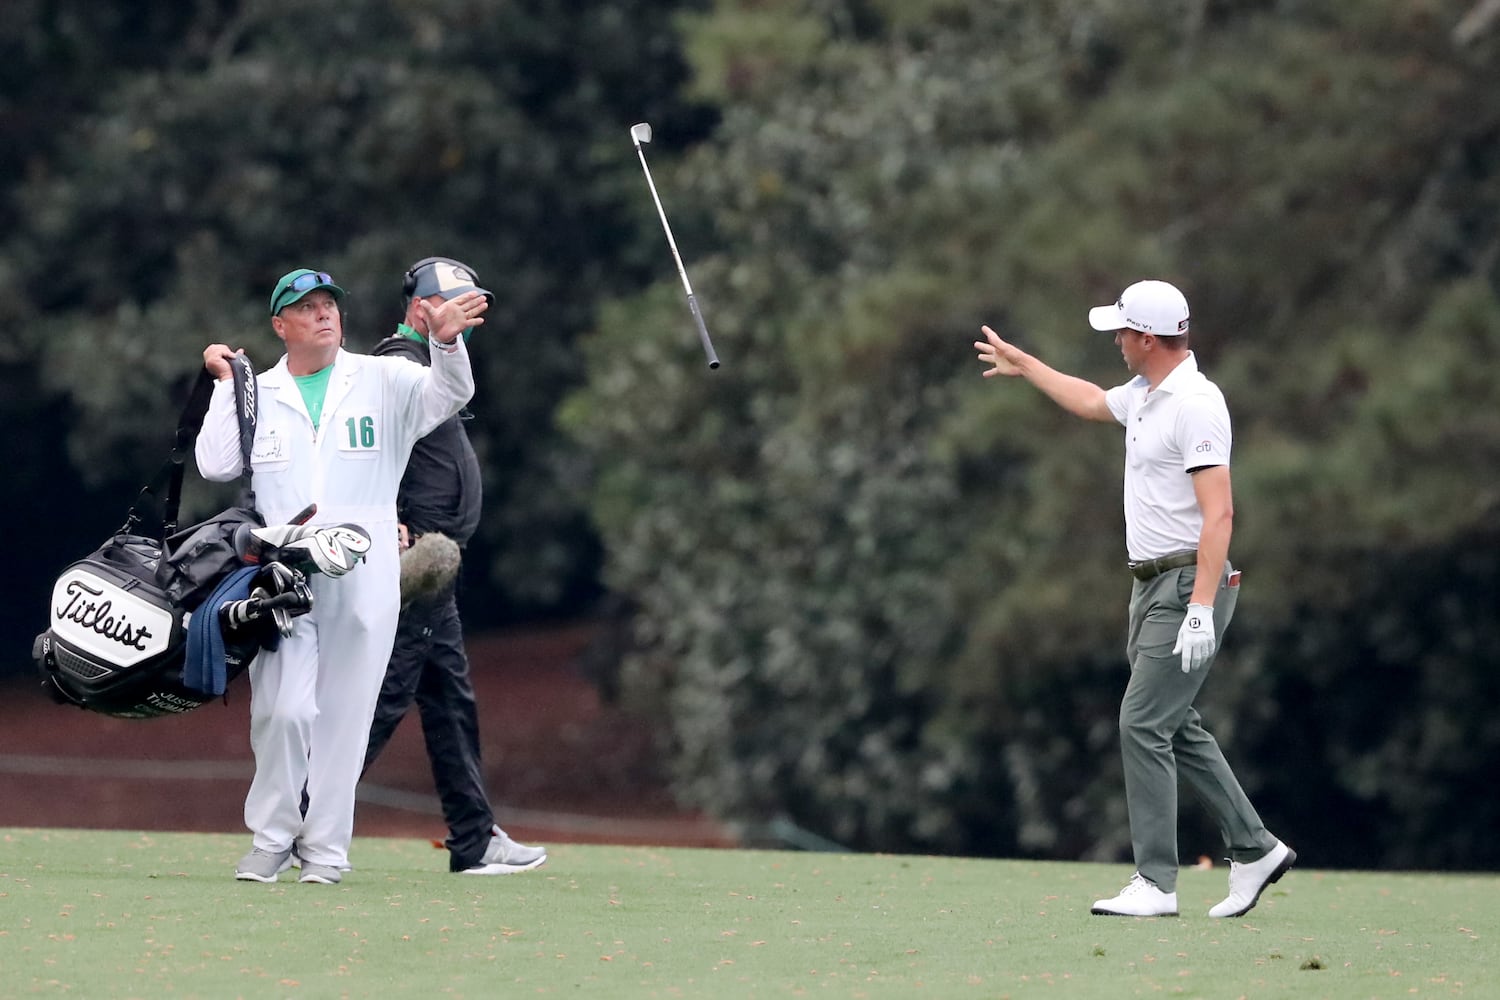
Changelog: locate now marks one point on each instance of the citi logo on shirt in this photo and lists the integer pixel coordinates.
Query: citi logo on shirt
(1204, 448)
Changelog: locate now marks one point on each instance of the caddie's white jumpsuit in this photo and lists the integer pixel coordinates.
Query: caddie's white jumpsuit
(312, 699)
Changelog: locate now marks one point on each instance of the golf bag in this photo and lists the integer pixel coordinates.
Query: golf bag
(120, 616)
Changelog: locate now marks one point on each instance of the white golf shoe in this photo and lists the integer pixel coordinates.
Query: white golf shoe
(1247, 881)
(1139, 898)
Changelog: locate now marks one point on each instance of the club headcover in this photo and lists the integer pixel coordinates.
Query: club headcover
(330, 549)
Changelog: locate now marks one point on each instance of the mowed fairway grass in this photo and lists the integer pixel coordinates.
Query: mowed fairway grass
(129, 914)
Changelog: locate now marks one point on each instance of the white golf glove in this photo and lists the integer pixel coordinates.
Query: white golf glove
(1195, 640)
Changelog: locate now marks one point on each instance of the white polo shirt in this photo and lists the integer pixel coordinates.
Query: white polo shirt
(1182, 425)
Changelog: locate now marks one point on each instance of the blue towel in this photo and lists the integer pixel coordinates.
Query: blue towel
(204, 669)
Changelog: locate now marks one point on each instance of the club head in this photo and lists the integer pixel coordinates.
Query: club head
(641, 132)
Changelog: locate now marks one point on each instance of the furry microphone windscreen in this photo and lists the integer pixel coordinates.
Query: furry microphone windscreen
(429, 567)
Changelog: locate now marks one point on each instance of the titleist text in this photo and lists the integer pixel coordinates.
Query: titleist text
(85, 607)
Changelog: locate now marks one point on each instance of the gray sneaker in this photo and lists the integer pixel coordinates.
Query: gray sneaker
(262, 865)
(296, 861)
(506, 857)
(323, 874)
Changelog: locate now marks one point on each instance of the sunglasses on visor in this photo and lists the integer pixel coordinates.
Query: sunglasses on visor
(304, 282)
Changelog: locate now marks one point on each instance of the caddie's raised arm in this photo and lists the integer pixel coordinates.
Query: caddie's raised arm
(449, 383)
(448, 321)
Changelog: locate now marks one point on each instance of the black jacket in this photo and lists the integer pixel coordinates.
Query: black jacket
(441, 489)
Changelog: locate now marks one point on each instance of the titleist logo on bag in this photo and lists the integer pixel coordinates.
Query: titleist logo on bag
(99, 617)
(117, 640)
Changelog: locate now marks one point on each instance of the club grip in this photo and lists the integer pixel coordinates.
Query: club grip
(289, 599)
(708, 345)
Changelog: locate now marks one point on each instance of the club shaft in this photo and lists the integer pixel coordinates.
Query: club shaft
(661, 213)
(666, 228)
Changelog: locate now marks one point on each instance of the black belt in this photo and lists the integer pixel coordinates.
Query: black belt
(1147, 569)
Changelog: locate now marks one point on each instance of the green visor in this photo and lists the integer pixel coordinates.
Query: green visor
(298, 283)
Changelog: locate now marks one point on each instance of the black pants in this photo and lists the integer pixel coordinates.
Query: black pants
(428, 665)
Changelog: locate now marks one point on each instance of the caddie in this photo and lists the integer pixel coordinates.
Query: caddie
(335, 429)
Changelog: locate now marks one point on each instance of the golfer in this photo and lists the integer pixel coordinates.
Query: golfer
(1178, 519)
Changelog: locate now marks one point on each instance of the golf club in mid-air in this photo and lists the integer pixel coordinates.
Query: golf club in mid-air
(642, 133)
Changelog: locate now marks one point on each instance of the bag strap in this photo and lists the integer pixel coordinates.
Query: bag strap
(247, 411)
(188, 425)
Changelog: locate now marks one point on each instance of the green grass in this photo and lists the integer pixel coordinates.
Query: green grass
(127, 914)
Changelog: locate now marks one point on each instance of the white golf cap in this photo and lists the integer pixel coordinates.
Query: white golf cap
(1148, 306)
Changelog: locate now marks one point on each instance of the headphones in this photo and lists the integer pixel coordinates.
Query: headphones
(409, 280)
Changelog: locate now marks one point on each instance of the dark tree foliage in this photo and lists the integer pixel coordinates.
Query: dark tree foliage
(875, 594)
(865, 591)
(177, 157)
(1396, 706)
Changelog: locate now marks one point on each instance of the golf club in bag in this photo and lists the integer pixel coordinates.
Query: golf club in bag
(145, 626)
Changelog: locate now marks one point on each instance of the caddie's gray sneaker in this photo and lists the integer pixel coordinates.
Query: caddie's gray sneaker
(1247, 881)
(323, 874)
(506, 857)
(262, 865)
(296, 861)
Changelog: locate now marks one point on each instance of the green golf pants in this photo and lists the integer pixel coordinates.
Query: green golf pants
(1162, 737)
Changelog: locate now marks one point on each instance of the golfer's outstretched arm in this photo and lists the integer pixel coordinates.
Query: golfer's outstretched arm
(1077, 396)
